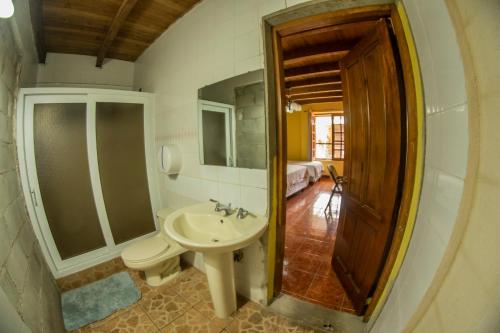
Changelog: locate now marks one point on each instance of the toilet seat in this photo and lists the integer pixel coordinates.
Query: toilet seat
(145, 249)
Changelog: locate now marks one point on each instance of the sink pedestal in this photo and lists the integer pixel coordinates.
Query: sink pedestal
(220, 275)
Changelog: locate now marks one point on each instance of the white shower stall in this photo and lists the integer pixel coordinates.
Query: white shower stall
(87, 166)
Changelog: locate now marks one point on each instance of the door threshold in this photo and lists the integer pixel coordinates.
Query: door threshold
(317, 316)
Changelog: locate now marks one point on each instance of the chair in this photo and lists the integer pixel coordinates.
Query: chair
(338, 182)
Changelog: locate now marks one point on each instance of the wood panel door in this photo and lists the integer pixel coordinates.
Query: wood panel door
(373, 138)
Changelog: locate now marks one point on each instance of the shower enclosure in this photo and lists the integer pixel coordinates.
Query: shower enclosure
(87, 168)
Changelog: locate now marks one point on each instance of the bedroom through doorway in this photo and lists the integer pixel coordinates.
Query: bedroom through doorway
(315, 153)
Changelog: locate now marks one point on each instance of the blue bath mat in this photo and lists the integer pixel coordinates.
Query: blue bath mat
(96, 301)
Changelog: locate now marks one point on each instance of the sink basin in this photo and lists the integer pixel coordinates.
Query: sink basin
(199, 228)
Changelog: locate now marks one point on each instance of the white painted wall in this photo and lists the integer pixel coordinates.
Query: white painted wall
(71, 70)
(216, 40)
(25, 43)
(445, 159)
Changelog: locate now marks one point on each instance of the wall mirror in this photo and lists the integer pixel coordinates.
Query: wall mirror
(231, 122)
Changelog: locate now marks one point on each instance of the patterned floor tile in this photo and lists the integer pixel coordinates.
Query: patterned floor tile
(192, 287)
(133, 321)
(194, 322)
(251, 317)
(164, 306)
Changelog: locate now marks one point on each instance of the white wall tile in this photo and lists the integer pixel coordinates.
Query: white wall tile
(445, 159)
(229, 194)
(454, 140)
(254, 199)
(228, 175)
(253, 178)
(433, 144)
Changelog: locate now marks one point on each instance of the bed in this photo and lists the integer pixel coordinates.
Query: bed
(314, 169)
(297, 178)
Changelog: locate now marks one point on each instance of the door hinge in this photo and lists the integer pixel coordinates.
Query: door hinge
(368, 301)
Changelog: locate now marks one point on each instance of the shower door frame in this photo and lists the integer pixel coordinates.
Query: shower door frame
(27, 98)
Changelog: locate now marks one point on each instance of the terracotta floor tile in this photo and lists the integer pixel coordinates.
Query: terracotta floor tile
(296, 281)
(316, 247)
(326, 290)
(308, 222)
(303, 261)
(325, 268)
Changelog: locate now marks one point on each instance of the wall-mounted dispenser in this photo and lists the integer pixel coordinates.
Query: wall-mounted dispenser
(170, 159)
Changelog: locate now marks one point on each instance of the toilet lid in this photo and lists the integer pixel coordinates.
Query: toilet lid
(145, 249)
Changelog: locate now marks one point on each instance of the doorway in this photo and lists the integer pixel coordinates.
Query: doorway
(358, 57)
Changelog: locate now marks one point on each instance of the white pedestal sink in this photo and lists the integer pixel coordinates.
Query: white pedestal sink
(199, 228)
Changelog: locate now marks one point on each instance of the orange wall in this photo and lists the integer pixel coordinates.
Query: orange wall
(298, 136)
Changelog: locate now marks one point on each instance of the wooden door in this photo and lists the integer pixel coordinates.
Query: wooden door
(373, 135)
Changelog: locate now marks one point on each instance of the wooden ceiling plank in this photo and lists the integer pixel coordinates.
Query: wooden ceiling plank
(296, 57)
(306, 72)
(342, 16)
(318, 100)
(365, 25)
(37, 26)
(317, 88)
(316, 95)
(314, 82)
(115, 26)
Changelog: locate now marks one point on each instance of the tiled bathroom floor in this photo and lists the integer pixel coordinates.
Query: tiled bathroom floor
(182, 305)
(309, 243)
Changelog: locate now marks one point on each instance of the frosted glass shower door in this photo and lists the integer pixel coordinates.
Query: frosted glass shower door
(65, 198)
(122, 169)
(87, 164)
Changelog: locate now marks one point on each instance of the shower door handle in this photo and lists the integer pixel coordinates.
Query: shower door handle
(33, 195)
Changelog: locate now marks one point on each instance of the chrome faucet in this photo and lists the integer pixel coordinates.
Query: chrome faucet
(219, 207)
(242, 213)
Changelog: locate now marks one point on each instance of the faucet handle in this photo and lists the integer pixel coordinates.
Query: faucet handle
(213, 200)
(242, 213)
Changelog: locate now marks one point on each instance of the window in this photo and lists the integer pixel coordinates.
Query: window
(328, 137)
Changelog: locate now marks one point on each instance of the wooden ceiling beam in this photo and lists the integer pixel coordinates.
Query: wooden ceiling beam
(318, 88)
(37, 26)
(314, 82)
(315, 95)
(307, 72)
(294, 58)
(318, 100)
(115, 26)
(331, 92)
(364, 25)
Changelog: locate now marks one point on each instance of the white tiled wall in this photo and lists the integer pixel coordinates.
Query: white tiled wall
(216, 40)
(445, 159)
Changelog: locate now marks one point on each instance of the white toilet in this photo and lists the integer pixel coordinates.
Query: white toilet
(157, 256)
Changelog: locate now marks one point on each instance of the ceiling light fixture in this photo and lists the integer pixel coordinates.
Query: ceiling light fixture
(6, 8)
(293, 107)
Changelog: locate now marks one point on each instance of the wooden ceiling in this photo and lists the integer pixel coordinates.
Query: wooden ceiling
(311, 60)
(118, 29)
